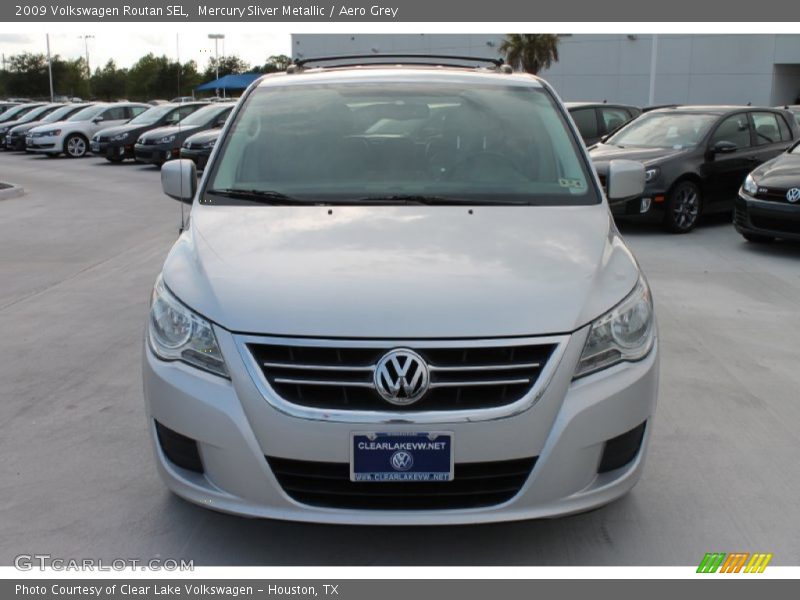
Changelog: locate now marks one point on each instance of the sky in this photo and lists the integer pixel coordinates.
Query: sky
(125, 47)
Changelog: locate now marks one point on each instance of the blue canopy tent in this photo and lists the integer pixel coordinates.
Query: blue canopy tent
(229, 82)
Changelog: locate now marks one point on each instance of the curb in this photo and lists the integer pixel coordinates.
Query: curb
(12, 191)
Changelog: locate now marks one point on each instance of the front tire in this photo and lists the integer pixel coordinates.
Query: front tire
(75, 146)
(684, 206)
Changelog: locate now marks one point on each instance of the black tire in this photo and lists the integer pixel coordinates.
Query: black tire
(758, 239)
(76, 146)
(684, 207)
(114, 159)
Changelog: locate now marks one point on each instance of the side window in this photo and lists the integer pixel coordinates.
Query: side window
(586, 120)
(135, 111)
(734, 129)
(766, 126)
(116, 113)
(613, 118)
(175, 115)
(786, 133)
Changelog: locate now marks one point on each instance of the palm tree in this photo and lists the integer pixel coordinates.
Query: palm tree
(530, 52)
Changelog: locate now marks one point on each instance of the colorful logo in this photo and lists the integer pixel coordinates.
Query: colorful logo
(735, 562)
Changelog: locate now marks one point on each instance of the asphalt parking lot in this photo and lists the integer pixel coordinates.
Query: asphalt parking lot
(78, 256)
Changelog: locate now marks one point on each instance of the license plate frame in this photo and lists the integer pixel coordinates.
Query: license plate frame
(431, 454)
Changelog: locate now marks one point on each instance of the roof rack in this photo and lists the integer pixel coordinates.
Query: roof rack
(434, 60)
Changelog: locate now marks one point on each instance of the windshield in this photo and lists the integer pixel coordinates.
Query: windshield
(87, 114)
(151, 115)
(205, 114)
(62, 113)
(664, 130)
(36, 114)
(365, 142)
(14, 113)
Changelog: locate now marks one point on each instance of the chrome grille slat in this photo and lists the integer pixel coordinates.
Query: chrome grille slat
(338, 375)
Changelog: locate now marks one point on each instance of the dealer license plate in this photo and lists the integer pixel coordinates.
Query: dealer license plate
(401, 456)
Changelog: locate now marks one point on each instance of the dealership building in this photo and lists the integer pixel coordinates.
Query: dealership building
(634, 69)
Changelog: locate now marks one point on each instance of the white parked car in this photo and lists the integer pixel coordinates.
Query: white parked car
(400, 299)
(72, 136)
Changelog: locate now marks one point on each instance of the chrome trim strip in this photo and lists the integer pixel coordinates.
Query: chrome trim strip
(276, 365)
(343, 383)
(443, 384)
(507, 367)
(388, 416)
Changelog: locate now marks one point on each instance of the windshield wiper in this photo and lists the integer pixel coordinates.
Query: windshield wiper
(260, 196)
(419, 199)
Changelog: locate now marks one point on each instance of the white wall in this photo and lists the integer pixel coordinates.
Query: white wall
(691, 69)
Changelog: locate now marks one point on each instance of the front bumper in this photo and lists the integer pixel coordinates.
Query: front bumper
(767, 218)
(155, 154)
(46, 145)
(199, 157)
(236, 426)
(15, 142)
(111, 150)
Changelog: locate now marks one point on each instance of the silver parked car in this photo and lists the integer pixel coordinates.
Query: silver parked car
(400, 299)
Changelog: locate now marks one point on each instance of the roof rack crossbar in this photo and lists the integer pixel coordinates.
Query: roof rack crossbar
(430, 59)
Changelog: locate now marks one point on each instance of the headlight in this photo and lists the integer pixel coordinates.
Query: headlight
(166, 139)
(140, 141)
(750, 185)
(177, 333)
(3, 129)
(625, 333)
(50, 133)
(210, 144)
(651, 174)
(119, 137)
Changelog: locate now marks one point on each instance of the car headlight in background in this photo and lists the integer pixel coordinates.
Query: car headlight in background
(166, 139)
(750, 186)
(119, 137)
(625, 333)
(651, 174)
(210, 144)
(177, 333)
(3, 130)
(50, 133)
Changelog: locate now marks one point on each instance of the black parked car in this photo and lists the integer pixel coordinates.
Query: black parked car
(160, 145)
(596, 119)
(15, 138)
(198, 147)
(13, 116)
(695, 157)
(116, 143)
(768, 205)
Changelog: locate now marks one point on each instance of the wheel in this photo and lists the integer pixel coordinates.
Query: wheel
(758, 239)
(684, 205)
(75, 146)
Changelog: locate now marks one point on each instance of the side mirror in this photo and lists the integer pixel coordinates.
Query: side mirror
(97, 120)
(723, 147)
(179, 179)
(625, 179)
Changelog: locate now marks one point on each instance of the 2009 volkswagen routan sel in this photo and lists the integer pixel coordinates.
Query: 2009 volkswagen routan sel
(400, 299)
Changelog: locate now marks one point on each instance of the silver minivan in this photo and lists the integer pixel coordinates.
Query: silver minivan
(400, 299)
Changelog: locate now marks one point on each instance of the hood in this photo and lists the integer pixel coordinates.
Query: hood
(401, 272)
(607, 152)
(181, 131)
(56, 125)
(8, 125)
(780, 172)
(25, 127)
(204, 136)
(127, 128)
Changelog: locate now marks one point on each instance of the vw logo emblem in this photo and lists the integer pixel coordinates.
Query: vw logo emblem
(401, 377)
(793, 195)
(402, 460)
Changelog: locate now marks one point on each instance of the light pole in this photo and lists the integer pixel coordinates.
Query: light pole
(86, 39)
(216, 37)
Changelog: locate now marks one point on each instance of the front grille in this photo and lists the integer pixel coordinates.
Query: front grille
(336, 377)
(474, 485)
(773, 194)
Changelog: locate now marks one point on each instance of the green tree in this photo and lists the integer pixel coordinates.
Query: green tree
(109, 83)
(530, 52)
(275, 64)
(228, 65)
